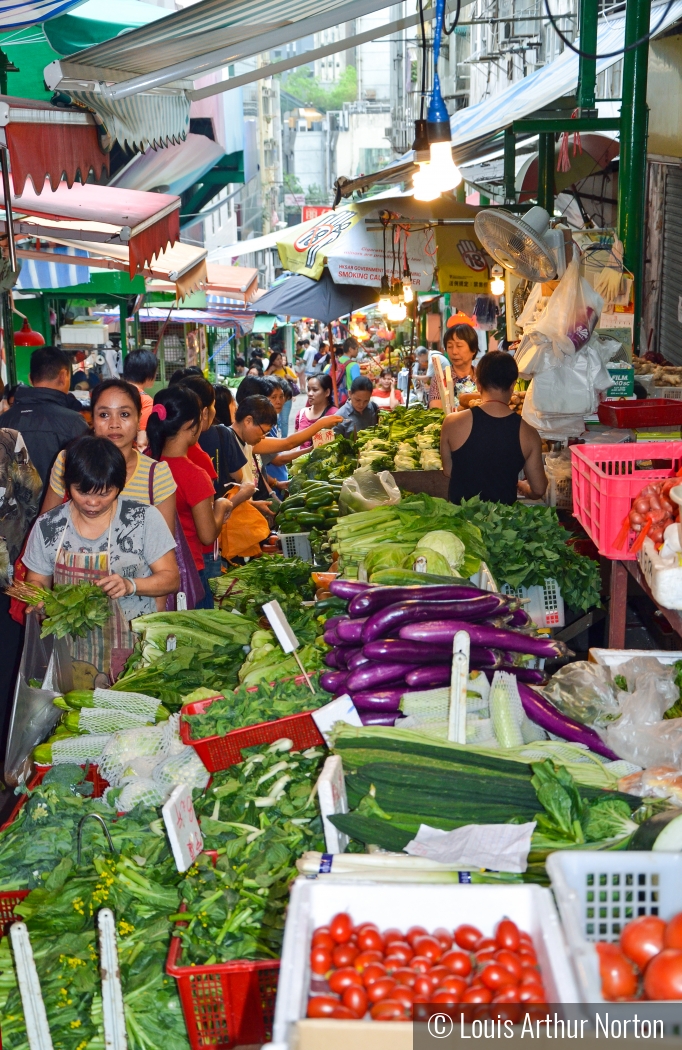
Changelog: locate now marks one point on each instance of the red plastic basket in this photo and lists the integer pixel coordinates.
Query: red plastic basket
(225, 1004)
(99, 787)
(653, 412)
(606, 479)
(8, 900)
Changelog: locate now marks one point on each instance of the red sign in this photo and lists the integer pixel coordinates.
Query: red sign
(313, 211)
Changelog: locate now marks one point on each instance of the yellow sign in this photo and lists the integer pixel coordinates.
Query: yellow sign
(462, 262)
(306, 251)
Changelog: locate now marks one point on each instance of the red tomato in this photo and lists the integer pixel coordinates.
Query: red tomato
(663, 975)
(364, 926)
(322, 1005)
(509, 994)
(373, 972)
(643, 938)
(320, 960)
(341, 927)
(427, 946)
(414, 932)
(342, 979)
(455, 985)
(322, 938)
(442, 995)
(673, 932)
(438, 973)
(420, 963)
(342, 1013)
(401, 948)
(370, 940)
(457, 962)
(381, 989)
(484, 943)
(344, 955)
(531, 993)
(618, 975)
(486, 956)
(507, 935)
(444, 938)
(365, 958)
(394, 962)
(527, 956)
(355, 998)
(393, 935)
(530, 975)
(466, 937)
(477, 995)
(389, 1010)
(495, 976)
(510, 961)
(423, 986)
(405, 976)
(402, 994)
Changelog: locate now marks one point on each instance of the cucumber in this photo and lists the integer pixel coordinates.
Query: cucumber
(42, 754)
(307, 518)
(406, 577)
(78, 698)
(661, 833)
(323, 500)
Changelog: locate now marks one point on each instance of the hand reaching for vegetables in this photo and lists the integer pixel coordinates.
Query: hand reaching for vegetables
(116, 586)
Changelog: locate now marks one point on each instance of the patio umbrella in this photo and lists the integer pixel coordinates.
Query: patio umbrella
(299, 296)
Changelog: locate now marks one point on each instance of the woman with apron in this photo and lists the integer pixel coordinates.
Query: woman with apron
(100, 537)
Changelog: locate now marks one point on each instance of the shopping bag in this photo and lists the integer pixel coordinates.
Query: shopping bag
(243, 532)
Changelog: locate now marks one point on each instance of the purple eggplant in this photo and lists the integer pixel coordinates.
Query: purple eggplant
(386, 622)
(379, 597)
(331, 623)
(519, 619)
(350, 631)
(388, 650)
(531, 675)
(357, 660)
(348, 588)
(332, 659)
(549, 718)
(440, 674)
(374, 718)
(378, 699)
(332, 638)
(375, 676)
(442, 632)
(334, 681)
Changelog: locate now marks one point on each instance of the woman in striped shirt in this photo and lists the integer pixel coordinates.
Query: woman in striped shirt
(116, 408)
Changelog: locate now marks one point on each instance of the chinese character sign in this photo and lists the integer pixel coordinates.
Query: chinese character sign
(182, 827)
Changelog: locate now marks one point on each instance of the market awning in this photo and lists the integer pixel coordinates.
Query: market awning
(147, 223)
(20, 13)
(39, 274)
(48, 142)
(173, 169)
(299, 296)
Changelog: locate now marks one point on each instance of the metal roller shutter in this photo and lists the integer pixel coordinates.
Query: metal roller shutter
(670, 327)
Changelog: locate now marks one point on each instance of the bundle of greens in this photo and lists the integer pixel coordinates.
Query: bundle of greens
(266, 662)
(526, 545)
(203, 629)
(245, 707)
(404, 439)
(569, 819)
(179, 671)
(261, 580)
(70, 608)
(337, 459)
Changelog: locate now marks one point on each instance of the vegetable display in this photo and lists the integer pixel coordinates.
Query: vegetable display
(248, 706)
(247, 587)
(403, 439)
(70, 608)
(312, 505)
(646, 963)
(361, 972)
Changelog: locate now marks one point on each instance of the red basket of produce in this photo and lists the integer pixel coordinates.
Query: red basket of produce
(654, 412)
(99, 787)
(8, 901)
(225, 1004)
(220, 752)
(607, 478)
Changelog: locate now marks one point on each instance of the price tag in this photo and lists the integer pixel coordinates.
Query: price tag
(340, 710)
(280, 625)
(182, 827)
(323, 437)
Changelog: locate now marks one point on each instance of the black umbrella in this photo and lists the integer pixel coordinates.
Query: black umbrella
(299, 296)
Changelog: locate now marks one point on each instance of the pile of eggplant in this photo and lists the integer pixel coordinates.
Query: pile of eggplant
(399, 639)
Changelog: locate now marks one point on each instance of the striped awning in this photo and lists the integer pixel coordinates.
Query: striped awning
(15, 14)
(38, 274)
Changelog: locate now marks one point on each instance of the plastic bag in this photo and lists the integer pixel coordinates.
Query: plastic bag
(585, 692)
(552, 426)
(657, 782)
(366, 490)
(641, 734)
(571, 313)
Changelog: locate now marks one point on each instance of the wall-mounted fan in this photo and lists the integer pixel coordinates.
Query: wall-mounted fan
(527, 247)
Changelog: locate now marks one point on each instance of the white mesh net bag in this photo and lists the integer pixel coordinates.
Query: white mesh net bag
(80, 749)
(511, 725)
(110, 720)
(171, 735)
(129, 745)
(137, 703)
(185, 768)
(140, 791)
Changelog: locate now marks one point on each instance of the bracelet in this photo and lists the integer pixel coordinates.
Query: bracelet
(133, 584)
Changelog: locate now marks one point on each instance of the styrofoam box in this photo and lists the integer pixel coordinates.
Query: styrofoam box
(664, 575)
(597, 893)
(616, 657)
(313, 903)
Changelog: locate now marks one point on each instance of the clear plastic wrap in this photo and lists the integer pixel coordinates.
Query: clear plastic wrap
(584, 691)
(366, 490)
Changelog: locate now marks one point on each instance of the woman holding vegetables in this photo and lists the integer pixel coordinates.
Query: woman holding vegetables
(101, 537)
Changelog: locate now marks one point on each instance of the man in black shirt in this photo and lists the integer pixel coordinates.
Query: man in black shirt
(41, 412)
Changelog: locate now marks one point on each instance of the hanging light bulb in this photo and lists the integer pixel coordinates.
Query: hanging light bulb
(497, 282)
(424, 190)
(408, 293)
(397, 312)
(384, 303)
(444, 174)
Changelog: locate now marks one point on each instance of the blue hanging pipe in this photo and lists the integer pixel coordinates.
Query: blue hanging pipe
(438, 121)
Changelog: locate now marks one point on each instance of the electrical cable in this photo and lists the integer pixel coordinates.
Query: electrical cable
(450, 31)
(610, 54)
(423, 33)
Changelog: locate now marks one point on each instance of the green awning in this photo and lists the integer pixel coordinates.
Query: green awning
(263, 324)
(96, 21)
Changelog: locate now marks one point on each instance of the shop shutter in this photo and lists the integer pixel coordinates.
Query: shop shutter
(670, 328)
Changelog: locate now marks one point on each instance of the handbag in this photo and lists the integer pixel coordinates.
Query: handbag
(190, 581)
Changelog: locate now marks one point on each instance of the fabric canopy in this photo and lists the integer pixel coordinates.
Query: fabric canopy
(173, 169)
(38, 274)
(45, 140)
(19, 13)
(298, 296)
(146, 222)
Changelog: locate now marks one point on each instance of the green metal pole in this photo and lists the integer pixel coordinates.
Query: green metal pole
(461, 193)
(633, 147)
(122, 317)
(587, 74)
(546, 171)
(509, 166)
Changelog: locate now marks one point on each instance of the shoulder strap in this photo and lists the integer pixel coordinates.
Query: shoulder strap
(151, 483)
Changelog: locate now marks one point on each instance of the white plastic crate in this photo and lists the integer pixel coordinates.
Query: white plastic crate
(314, 902)
(664, 575)
(545, 605)
(559, 493)
(674, 392)
(296, 545)
(598, 893)
(616, 657)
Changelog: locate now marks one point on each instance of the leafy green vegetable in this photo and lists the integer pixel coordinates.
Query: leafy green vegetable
(244, 708)
(177, 672)
(620, 682)
(270, 576)
(449, 546)
(675, 711)
(70, 608)
(608, 819)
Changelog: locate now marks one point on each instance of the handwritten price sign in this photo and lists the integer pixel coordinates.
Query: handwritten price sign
(182, 826)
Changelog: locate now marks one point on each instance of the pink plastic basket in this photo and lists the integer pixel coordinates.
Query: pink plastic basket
(607, 478)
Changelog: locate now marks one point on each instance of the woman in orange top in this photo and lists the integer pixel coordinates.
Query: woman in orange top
(139, 368)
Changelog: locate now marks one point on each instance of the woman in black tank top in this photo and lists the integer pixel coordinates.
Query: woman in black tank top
(487, 462)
